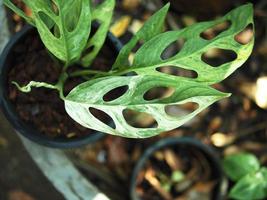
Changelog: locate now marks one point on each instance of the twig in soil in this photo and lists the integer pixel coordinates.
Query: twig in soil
(151, 178)
(172, 160)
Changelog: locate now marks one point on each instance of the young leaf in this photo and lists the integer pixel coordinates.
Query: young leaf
(69, 39)
(251, 186)
(238, 165)
(102, 14)
(151, 28)
(90, 95)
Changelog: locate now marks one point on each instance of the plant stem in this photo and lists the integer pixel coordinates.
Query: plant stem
(96, 72)
(60, 84)
(87, 72)
(61, 81)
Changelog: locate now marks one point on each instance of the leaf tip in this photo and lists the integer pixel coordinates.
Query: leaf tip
(167, 5)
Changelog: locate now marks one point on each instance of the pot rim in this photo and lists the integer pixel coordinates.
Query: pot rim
(189, 141)
(22, 127)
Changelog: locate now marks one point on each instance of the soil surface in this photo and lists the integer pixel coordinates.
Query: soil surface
(42, 108)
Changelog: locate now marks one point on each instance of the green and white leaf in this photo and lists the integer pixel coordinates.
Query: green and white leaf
(103, 15)
(147, 59)
(71, 21)
(252, 186)
(152, 27)
(238, 165)
(90, 95)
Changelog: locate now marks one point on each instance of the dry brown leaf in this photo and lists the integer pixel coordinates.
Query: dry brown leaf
(172, 160)
(120, 26)
(130, 4)
(150, 176)
(19, 195)
(3, 142)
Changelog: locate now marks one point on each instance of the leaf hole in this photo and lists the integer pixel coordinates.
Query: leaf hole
(216, 57)
(172, 49)
(180, 110)
(103, 117)
(73, 16)
(88, 50)
(97, 2)
(54, 8)
(177, 71)
(48, 21)
(45, 19)
(115, 93)
(56, 31)
(131, 73)
(214, 31)
(158, 93)
(245, 36)
(96, 24)
(137, 46)
(139, 119)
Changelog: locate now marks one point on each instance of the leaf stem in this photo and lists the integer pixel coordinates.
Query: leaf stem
(100, 73)
(60, 84)
(88, 72)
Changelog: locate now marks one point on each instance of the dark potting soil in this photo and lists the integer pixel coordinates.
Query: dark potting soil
(42, 108)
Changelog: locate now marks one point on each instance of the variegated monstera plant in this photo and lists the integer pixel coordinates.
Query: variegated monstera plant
(65, 31)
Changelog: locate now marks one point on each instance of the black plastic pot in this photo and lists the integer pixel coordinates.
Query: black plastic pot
(26, 129)
(220, 189)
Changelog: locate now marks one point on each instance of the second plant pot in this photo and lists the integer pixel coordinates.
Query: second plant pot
(14, 52)
(178, 167)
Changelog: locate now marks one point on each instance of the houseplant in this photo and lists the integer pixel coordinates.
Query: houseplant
(58, 28)
(165, 168)
(31, 128)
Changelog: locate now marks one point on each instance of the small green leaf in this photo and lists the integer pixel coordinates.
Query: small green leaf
(238, 165)
(90, 95)
(102, 14)
(252, 186)
(27, 88)
(151, 28)
(166, 186)
(177, 176)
